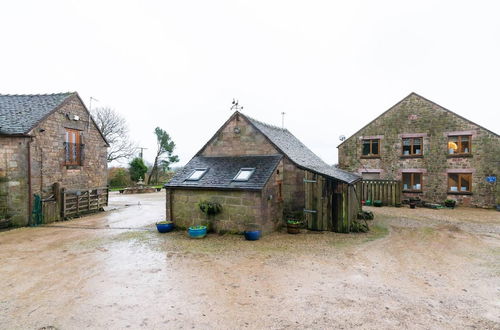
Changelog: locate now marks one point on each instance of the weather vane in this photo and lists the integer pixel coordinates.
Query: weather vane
(235, 106)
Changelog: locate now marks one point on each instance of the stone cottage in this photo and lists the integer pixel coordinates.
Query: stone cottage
(436, 153)
(46, 139)
(261, 174)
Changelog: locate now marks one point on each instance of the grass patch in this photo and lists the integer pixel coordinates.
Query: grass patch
(377, 231)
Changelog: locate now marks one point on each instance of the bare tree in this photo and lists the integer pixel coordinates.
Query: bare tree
(114, 128)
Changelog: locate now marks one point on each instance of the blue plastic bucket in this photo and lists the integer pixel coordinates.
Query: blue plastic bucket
(165, 227)
(198, 232)
(252, 235)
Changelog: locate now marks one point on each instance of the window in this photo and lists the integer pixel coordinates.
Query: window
(244, 174)
(371, 147)
(73, 149)
(197, 174)
(412, 181)
(459, 145)
(459, 182)
(412, 146)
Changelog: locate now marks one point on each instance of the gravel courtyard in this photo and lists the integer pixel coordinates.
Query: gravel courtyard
(416, 269)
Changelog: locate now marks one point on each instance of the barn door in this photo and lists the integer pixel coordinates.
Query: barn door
(316, 204)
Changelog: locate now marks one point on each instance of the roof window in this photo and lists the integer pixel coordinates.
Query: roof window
(197, 174)
(244, 174)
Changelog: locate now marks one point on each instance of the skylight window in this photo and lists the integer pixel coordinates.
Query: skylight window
(197, 174)
(244, 174)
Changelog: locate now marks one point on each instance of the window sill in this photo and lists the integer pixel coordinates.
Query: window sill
(413, 191)
(458, 155)
(412, 156)
(459, 193)
(370, 157)
(72, 167)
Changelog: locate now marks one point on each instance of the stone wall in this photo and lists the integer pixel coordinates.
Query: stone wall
(48, 157)
(293, 189)
(246, 140)
(420, 116)
(239, 209)
(13, 179)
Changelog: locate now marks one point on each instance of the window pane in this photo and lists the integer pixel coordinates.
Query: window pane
(197, 174)
(465, 182)
(453, 144)
(406, 146)
(452, 182)
(417, 181)
(417, 146)
(244, 175)
(464, 146)
(375, 147)
(366, 147)
(406, 181)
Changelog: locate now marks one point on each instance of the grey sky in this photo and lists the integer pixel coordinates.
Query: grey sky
(332, 66)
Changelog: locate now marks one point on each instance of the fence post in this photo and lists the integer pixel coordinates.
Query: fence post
(56, 189)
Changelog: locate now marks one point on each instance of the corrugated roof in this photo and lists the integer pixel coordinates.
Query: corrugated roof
(222, 170)
(20, 113)
(298, 153)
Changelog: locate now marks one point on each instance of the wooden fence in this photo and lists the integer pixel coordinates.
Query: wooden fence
(387, 191)
(78, 202)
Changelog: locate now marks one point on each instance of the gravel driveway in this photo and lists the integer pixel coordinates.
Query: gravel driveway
(416, 269)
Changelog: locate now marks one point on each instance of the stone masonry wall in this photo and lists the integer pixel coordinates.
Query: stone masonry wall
(13, 179)
(239, 209)
(417, 115)
(248, 141)
(48, 152)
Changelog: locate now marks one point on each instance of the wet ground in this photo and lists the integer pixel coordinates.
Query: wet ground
(416, 269)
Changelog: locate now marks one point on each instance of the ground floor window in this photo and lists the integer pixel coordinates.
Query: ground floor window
(459, 182)
(412, 181)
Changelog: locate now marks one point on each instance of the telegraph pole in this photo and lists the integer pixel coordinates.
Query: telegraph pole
(141, 153)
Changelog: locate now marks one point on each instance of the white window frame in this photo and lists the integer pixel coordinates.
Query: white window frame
(202, 170)
(244, 169)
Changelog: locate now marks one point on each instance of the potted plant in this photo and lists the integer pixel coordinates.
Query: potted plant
(164, 226)
(197, 231)
(450, 203)
(412, 204)
(293, 226)
(252, 233)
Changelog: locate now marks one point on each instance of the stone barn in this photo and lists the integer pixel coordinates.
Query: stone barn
(46, 141)
(261, 175)
(434, 152)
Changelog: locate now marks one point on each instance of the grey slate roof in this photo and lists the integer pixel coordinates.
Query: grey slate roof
(222, 170)
(20, 113)
(299, 153)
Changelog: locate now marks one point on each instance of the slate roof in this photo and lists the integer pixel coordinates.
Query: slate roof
(222, 170)
(298, 153)
(20, 113)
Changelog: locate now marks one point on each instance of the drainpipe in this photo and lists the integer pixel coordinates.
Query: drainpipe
(30, 192)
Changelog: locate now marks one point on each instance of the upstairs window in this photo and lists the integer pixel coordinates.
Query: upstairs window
(73, 147)
(459, 145)
(412, 146)
(459, 182)
(371, 147)
(412, 182)
(244, 174)
(197, 174)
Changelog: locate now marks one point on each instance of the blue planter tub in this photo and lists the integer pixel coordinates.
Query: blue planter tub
(197, 231)
(164, 226)
(252, 235)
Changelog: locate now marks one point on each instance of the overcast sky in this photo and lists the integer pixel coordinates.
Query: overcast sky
(332, 66)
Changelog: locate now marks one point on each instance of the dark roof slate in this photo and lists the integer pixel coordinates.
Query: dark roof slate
(20, 113)
(299, 153)
(222, 170)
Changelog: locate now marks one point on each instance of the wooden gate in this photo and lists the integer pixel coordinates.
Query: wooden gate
(79, 202)
(387, 191)
(318, 202)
